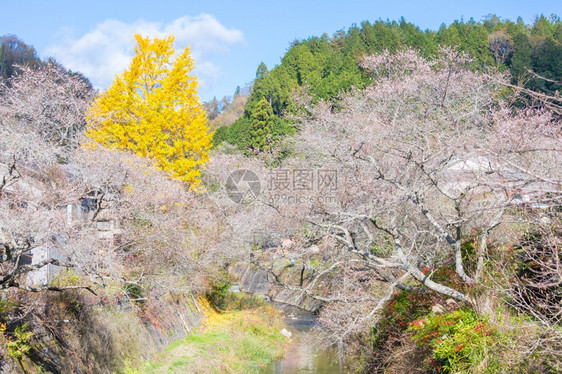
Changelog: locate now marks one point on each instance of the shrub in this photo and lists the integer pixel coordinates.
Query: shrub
(136, 293)
(19, 343)
(460, 341)
(224, 300)
(374, 350)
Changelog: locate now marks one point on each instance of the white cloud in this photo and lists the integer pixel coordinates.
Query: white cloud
(107, 50)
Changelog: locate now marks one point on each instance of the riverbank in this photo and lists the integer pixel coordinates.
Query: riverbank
(240, 341)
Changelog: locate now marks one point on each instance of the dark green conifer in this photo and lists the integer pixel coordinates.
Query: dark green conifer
(260, 126)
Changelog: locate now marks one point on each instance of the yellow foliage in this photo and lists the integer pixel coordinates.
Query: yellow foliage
(212, 316)
(153, 110)
(128, 189)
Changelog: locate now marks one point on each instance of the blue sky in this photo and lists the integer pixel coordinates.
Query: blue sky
(228, 38)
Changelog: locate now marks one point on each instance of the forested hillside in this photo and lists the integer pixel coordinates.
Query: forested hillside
(327, 66)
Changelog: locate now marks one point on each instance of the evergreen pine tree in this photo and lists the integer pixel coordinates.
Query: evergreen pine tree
(260, 126)
(522, 59)
(261, 71)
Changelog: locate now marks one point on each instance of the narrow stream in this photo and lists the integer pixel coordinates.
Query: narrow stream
(302, 356)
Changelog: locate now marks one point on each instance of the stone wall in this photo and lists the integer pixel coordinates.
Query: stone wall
(254, 279)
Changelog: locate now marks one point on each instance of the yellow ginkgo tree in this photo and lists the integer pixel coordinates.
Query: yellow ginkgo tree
(153, 110)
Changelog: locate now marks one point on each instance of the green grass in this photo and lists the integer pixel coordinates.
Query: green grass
(233, 342)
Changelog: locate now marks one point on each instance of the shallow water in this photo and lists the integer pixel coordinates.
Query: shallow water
(302, 356)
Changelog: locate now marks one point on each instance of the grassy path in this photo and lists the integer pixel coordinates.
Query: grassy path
(233, 342)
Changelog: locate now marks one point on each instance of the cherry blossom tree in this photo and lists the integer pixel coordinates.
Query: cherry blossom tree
(48, 101)
(430, 155)
(42, 116)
